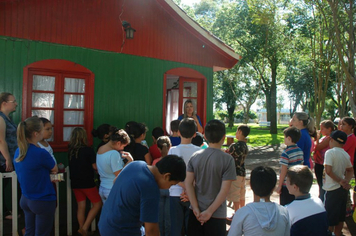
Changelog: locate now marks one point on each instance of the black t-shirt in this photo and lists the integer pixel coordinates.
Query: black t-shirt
(139, 152)
(81, 168)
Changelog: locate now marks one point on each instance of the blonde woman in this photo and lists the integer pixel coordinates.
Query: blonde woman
(33, 166)
(189, 112)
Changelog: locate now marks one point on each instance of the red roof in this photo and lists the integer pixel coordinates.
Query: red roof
(163, 30)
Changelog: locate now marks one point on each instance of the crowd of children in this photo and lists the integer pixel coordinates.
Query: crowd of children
(180, 187)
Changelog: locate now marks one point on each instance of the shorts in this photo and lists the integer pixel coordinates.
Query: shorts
(237, 190)
(91, 193)
(335, 205)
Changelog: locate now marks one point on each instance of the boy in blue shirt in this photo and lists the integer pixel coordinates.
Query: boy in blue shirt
(291, 156)
(134, 198)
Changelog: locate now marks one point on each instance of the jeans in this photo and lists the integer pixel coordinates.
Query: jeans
(104, 193)
(179, 216)
(39, 216)
(164, 213)
(318, 169)
(213, 227)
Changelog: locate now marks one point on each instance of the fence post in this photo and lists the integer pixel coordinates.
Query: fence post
(13, 177)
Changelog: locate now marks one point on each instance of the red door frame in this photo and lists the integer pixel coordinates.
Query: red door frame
(191, 75)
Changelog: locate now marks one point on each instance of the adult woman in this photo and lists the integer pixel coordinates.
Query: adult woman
(190, 112)
(8, 140)
(306, 124)
(33, 166)
(109, 161)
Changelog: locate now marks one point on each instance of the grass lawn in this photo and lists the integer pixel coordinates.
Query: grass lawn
(260, 136)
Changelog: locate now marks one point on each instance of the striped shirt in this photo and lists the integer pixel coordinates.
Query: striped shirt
(291, 156)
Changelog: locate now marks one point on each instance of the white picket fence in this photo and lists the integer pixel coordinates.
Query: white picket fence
(13, 177)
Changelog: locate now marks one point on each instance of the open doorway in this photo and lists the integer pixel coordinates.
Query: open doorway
(180, 85)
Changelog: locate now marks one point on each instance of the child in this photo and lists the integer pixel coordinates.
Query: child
(261, 217)
(82, 165)
(163, 144)
(109, 161)
(137, 133)
(103, 133)
(326, 127)
(33, 166)
(199, 141)
(239, 152)
(179, 206)
(135, 196)
(291, 156)
(154, 151)
(47, 134)
(307, 214)
(212, 171)
(175, 138)
(336, 183)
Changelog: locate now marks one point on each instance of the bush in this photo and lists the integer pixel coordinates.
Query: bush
(239, 115)
(220, 114)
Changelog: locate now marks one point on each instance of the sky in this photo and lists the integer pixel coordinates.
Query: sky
(190, 2)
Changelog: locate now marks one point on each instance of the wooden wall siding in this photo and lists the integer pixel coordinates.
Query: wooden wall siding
(96, 24)
(126, 87)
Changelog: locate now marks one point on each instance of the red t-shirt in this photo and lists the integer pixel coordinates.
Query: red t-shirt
(154, 151)
(350, 146)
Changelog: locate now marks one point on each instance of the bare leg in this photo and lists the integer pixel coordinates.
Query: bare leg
(338, 229)
(91, 215)
(81, 213)
(236, 206)
(242, 203)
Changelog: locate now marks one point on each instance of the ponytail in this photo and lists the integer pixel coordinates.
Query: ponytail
(311, 125)
(21, 141)
(24, 132)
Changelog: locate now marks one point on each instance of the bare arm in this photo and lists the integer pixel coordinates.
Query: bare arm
(200, 128)
(322, 145)
(151, 229)
(189, 185)
(3, 146)
(148, 158)
(282, 176)
(344, 182)
(94, 166)
(220, 198)
(54, 169)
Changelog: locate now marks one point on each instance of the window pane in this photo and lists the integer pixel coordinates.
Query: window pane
(190, 89)
(74, 101)
(45, 83)
(66, 133)
(73, 118)
(42, 100)
(49, 114)
(74, 85)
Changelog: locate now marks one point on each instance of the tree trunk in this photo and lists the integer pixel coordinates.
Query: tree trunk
(273, 102)
(230, 111)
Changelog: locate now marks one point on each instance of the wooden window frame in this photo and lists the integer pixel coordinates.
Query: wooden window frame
(61, 69)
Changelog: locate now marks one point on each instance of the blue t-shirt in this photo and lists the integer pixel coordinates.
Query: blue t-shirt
(33, 174)
(182, 116)
(175, 141)
(304, 143)
(133, 199)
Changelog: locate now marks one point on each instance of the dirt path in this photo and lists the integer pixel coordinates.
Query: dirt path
(269, 156)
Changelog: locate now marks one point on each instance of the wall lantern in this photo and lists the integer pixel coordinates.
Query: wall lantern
(128, 29)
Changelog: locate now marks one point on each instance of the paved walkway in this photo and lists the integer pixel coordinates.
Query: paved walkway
(269, 156)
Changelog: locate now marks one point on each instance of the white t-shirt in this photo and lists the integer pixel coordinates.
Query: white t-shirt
(185, 151)
(339, 160)
(48, 149)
